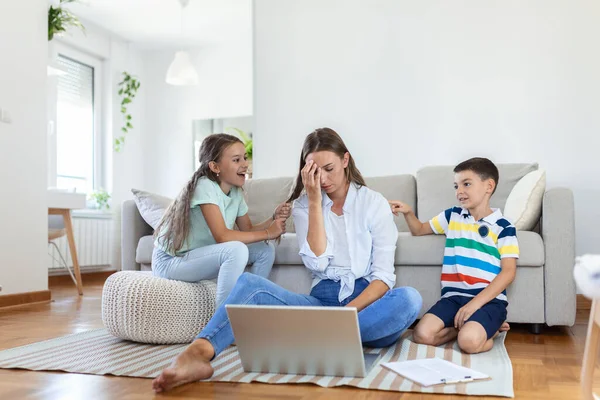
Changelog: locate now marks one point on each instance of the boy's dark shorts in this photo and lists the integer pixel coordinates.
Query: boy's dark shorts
(491, 316)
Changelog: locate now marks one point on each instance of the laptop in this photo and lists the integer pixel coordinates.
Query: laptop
(300, 340)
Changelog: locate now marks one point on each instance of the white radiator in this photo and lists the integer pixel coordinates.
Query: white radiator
(92, 239)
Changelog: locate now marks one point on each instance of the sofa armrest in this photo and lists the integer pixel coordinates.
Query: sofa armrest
(558, 232)
(133, 228)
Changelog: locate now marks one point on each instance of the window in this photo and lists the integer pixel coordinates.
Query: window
(75, 143)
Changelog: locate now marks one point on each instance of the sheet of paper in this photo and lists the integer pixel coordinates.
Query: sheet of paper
(433, 371)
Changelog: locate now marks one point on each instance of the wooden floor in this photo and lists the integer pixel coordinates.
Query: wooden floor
(546, 366)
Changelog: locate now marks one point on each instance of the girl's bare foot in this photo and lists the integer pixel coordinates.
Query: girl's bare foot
(190, 366)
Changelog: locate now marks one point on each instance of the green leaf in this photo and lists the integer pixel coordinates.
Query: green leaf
(128, 91)
(243, 135)
(59, 19)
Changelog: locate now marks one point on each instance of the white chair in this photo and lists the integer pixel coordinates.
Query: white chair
(56, 229)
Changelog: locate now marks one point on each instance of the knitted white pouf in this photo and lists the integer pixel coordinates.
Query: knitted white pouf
(140, 307)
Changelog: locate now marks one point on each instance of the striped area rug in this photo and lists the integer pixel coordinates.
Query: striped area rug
(97, 352)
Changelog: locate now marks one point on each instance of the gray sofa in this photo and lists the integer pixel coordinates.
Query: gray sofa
(543, 291)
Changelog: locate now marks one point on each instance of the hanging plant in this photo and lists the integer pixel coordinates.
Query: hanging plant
(59, 19)
(128, 88)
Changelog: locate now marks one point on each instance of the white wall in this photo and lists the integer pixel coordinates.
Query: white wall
(23, 210)
(415, 83)
(123, 170)
(158, 153)
(225, 90)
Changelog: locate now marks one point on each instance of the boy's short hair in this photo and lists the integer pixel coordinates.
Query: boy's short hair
(482, 167)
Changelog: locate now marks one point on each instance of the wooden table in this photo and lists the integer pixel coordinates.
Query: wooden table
(590, 354)
(61, 203)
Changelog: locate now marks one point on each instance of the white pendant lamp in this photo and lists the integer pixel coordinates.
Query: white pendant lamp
(181, 72)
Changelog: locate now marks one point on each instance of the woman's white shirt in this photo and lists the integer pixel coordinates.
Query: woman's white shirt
(370, 240)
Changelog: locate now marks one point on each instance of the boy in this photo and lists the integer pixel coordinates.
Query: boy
(480, 261)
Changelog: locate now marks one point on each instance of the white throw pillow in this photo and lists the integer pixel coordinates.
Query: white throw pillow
(152, 206)
(524, 203)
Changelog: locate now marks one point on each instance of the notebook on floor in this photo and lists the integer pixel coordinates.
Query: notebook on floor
(434, 371)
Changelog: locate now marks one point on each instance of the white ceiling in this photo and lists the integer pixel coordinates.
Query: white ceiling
(157, 23)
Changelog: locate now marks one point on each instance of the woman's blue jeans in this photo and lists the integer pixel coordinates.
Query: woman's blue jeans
(381, 323)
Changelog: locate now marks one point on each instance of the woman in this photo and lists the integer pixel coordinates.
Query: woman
(347, 238)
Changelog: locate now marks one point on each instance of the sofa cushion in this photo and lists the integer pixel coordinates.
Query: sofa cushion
(429, 250)
(151, 206)
(263, 196)
(143, 253)
(435, 187)
(287, 250)
(422, 250)
(396, 187)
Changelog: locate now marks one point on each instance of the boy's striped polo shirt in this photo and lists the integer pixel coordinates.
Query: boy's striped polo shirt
(473, 250)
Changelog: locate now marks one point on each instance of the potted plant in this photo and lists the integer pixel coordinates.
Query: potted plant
(100, 199)
(59, 19)
(247, 140)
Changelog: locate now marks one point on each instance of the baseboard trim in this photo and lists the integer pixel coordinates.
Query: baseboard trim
(86, 277)
(583, 303)
(87, 269)
(18, 299)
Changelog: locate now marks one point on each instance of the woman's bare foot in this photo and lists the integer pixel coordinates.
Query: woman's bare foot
(190, 366)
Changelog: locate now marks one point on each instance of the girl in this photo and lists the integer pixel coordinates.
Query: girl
(196, 240)
(347, 239)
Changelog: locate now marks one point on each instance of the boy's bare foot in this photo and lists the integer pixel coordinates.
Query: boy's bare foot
(190, 366)
(504, 328)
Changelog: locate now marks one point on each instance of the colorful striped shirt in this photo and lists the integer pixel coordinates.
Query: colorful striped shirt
(474, 250)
